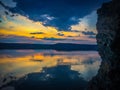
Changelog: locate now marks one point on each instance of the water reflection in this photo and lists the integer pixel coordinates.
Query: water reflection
(26, 68)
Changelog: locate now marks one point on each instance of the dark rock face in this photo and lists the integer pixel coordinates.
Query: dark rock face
(108, 39)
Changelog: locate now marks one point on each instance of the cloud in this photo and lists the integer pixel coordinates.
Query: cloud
(2, 10)
(9, 3)
(6, 13)
(57, 13)
(5, 10)
(52, 38)
(87, 23)
(92, 36)
(69, 36)
(88, 33)
(22, 39)
(17, 39)
(46, 17)
(37, 33)
(60, 34)
(32, 36)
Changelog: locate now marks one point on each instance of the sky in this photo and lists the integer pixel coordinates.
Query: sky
(49, 21)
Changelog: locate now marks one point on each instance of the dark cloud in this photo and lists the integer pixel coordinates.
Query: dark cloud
(88, 33)
(6, 13)
(75, 31)
(92, 36)
(60, 34)
(37, 33)
(13, 15)
(58, 13)
(52, 38)
(33, 37)
(69, 36)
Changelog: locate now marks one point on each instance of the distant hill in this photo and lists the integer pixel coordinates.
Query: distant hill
(58, 46)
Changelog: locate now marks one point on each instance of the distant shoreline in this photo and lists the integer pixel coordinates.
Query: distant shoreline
(58, 46)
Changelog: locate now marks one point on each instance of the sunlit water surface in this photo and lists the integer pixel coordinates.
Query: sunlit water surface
(43, 69)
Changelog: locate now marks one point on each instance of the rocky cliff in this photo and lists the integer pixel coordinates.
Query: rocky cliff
(108, 39)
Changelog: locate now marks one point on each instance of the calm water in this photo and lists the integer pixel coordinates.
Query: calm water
(47, 69)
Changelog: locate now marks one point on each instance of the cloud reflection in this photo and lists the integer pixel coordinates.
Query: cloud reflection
(19, 63)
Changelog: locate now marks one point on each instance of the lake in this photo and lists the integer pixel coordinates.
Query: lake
(47, 69)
